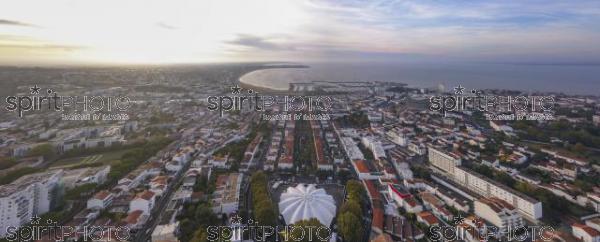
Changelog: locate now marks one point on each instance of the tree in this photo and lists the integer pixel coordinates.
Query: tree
(350, 227)
(312, 230)
(80, 191)
(201, 184)
(200, 235)
(265, 215)
(45, 150)
(7, 162)
(579, 148)
(186, 226)
(16, 174)
(351, 206)
(204, 215)
(355, 190)
(264, 209)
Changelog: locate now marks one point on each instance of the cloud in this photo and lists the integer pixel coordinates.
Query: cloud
(165, 26)
(494, 30)
(23, 43)
(15, 23)
(469, 30)
(48, 47)
(259, 43)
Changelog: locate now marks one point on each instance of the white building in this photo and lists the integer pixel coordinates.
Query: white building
(100, 200)
(29, 196)
(143, 201)
(527, 206)
(182, 157)
(78, 177)
(219, 161)
(443, 161)
(417, 148)
(375, 146)
(134, 178)
(596, 119)
(593, 199)
(404, 199)
(165, 232)
(585, 233)
(226, 197)
(351, 149)
(304, 202)
(499, 213)
(398, 136)
(403, 170)
(449, 165)
(173, 166)
(285, 164)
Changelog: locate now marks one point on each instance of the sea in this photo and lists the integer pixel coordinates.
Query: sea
(583, 79)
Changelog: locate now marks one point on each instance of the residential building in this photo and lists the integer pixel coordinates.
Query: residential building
(165, 233)
(100, 200)
(218, 161)
(375, 146)
(226, 197)
(143, 201)
(444, 161)
(404, 199)
(449, 165)
(585, 233)
(87, 175)
(135, 220)
(484, 186)
(499, 213)
(427, 218)
(29, 196)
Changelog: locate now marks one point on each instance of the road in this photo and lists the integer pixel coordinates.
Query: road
(145, 233)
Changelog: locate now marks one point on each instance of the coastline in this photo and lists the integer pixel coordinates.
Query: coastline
(262, 88)
(257, 88)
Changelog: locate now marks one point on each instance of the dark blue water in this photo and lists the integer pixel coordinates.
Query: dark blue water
(570, 79)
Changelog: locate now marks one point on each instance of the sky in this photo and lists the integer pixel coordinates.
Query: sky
(57, 32)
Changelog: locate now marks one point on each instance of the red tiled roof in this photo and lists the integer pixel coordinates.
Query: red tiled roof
(411, 201)
(383, 238)
(222, 180)
(361, 166)
(372, 189)
(428, 217)
(160, 180)
(378, 215)
(133, 217)
(146, 195)
(497, 204)
(155, 164)
(197, 195)
(399, 193)
(589, 230)
(101, 195)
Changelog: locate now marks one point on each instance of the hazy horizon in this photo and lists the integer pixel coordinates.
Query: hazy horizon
(569, 79)
(170, 32)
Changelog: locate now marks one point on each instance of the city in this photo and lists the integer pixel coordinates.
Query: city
(299, 120)
(382, 166)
